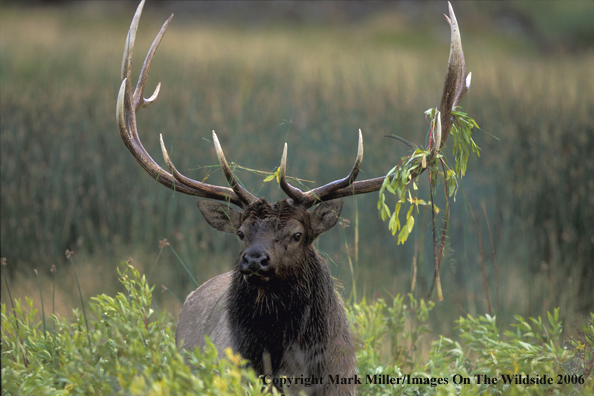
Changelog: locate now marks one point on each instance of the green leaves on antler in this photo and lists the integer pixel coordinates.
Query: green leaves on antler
(400, 178)
(463, 143)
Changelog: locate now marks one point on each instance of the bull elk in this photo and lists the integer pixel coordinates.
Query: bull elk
(277, 307)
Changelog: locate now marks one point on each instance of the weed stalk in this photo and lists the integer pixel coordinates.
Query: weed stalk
(485, 284)
(182, 263)
(69, 257)
(494, 260)
(42, 306)
(164, 288)
(7, 287)
(53, 271)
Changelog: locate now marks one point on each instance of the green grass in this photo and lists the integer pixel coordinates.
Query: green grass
(69, 183)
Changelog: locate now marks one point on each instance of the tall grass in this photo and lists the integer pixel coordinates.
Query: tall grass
(69, 183)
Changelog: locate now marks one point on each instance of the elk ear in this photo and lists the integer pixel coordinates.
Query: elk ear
(220, 216)
(325, 217)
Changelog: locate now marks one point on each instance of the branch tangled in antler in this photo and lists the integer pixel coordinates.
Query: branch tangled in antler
(442, 123)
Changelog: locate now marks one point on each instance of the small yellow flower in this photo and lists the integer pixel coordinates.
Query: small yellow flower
(233, 358)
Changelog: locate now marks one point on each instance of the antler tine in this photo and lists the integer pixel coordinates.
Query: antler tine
(325, 192)
(178, 176)
(129, 103)
(293, 192)
(241, 192)
(139, 100)
(129, 48)
(454, 87)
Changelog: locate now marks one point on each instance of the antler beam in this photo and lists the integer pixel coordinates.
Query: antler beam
(323, 193)
(129, 103)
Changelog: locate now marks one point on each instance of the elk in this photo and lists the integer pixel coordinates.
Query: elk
(278, 306)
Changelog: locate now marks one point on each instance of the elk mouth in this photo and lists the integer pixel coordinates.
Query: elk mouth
(258, 277)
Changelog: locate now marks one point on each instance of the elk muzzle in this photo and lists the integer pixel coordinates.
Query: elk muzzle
(255, 266)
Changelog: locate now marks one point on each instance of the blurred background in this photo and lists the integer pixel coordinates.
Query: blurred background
(309, 74)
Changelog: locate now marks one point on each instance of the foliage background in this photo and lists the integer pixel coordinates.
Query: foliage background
(262, 74)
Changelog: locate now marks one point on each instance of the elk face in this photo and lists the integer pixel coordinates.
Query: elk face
(276, 238)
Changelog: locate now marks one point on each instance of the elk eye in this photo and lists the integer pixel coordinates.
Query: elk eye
(240, 235)
(297, 237)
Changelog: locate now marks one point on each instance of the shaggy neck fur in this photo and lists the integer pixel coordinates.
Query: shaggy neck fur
(285, 313)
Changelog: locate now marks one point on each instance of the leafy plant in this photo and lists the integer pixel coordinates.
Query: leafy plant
(402, 176)
(390, 334)
(530, 361)
(132, 352)
(129, 350)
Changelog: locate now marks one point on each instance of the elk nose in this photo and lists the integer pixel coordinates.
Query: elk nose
(254, 261)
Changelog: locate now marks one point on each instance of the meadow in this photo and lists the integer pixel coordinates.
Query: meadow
(69, 183)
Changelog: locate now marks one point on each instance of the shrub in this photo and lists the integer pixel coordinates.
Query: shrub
(388, 340)
(130, 350)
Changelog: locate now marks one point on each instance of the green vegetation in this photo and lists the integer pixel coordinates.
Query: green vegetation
(400, 177)
(130, 350)
(69, 183)
(389, 338)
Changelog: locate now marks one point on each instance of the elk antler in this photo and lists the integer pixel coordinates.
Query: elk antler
(454, 86)
(130, 102)
(454, 89)
(325, 192)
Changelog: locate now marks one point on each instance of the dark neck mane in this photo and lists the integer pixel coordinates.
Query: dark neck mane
(282, 315)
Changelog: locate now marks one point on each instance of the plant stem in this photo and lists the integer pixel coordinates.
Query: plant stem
(42, 306)
(81, 299)
(8, 290)
(154, 265)
(485, 284)
(494, 261)
(182, 263)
